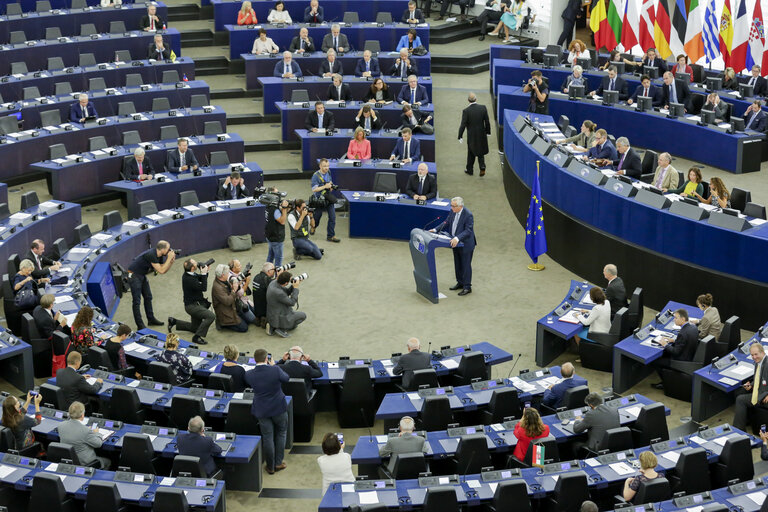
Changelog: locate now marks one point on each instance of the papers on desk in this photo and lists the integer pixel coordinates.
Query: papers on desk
(368, 497)
(167, 213)
(167, 480)
(440, 203)
(135, 384)
(79, 250)
(721, 440)
(191, 208)
(651, 342)
(155, 216)
(698, 440)
(381, 439)
(333, 366)
(550, 381)
(522, 385)
(570, 317)
(592, 462)
(19, 216)
(621, 468)
(757, 222)
(497, 427)
(474, 484)
(207, 205)
(694, 509)
(347, 487)
(633, 411)
(743, 370)
(91, 380)
(451, 364)
(757, 497)
(390, 371)
(62, 298)
(195, 360)
(101, 237)
(693, 118)
(104, 433)
(135, 347)
(671, 456)
(586, 299)
(225, 135)
(493, 486)
(413, 396)
(70, 318)
(52, 467)
(132, 223)
(728, 382)
(6, 470)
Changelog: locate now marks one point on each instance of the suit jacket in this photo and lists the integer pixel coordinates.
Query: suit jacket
(596, 421)
(318, 18)
(74, 387)
(333, 93)
(194, 445)
(132, 168)
(145, 22)
(281, 312)
(296, 44)
(82, 438)
(311, 121)
(417, 114)
(616, 294)
(761, 86)
(762, 385)
(328, 42)
(429, 188)
(327, 67)
(76, 112)
(403, 444)
(684, 347)
(416, 13)
(268, 398)
(553, 397)
(173, 160)
(280, 66)
(720, 110)
(403, 43)
(44, 321)
(760, 122)
(299, 370)
(683, 95)
(465, 229)
(375, 123)
(620, 85)
(154, 53)
(421, 95)
(670, 180)
(571, 11)
(653, 92)
(607, 151)
(632, 165)
(710, 323)
(415, 149)
(658, 63)
(44, 260)
(474, 119)
(224, 193)
(396, 69)
(570, 78)
(413, 360)
(375, 69)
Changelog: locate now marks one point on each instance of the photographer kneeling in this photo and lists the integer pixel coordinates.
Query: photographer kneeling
(194, 284)
(226, 303)
(282, 296)
(300, 220)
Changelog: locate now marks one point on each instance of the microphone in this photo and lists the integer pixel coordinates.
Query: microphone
(513, 365)
(429, 347)
(365, 421)
(712, 365)
(469, 465)
(430, 222)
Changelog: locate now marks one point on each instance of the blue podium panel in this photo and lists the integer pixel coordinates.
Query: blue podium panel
(553, 331)
(225, 11)
(349, 177)
(21, 150)
(69, 20)
(279, 89)
(315, 146)
(102, 289)
(293, 115)
(3, 193)
(103, 49)
(16, 361)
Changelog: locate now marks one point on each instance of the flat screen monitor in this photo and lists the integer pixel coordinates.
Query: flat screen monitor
(676, 110)
(519, 123)
(644, 103)
(528, 134)
(714, 83)
(542, 146)
(686, 77)
(610, 97)
(558, 157)
(575, 91)
(707, 117)
(651, 71)
(551, 60)
(620, 67)
(746, 90)
(584, 62)
(535, 55)
(737, 124)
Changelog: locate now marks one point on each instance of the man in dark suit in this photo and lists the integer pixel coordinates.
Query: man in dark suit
(460, 225)
(138, 168)
(755, 118)
(407, 148)
(299, 365)
(569, 15)
(48, 321)
(73, 386)
(196, 444)
(413, 93)
(286, 68)
(158, 50)
(628, 161)
(754, 392)
(82, 110)
(404, 66)
(675, 91)
(367, 119)
(414, 359)
(43, 264)
(493, 11)
(553, 396)
(603, 148)
(150, 21)
(335, 40)
(269, 408)
(759, 84)
(319, 118)
(182, 158)
(474, 119)
(302, 43)
(314, 13)
(416, 120)
(652, 60)
(682, 348)
(595, 422)
(615, 292)
(232, 188)
(646, 88)
(716, 105)
(421, 185)
(612, 82)
(331, 65)
(367, 66)
(338, 90)
(412, 15)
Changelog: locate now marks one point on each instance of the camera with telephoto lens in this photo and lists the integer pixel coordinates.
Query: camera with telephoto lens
(177, 252)
(334, 187)
(287, 266)
(532, 82)
(242, 276)
(300, 277)
(207, 263)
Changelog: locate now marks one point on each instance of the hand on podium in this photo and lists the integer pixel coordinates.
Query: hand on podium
(454, 242)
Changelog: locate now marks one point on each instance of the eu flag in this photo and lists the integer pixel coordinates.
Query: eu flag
(535, 241)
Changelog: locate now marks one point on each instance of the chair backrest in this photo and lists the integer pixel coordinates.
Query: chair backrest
(87, 59)
(48, 492)
(650, 159)
(219, 158)
(551, 451)
(299, 95)
(188, 464)
(571, 491)
(189, 198)
(57, 151)
(123, 55)
(160, 104)
(169, 132)
(102, 496)
(620, 324)
(147, 207)
(8, 440)
(383, 17)
(117, 27)
(731, 332)
(472, 366)
(635, 319)
(87, 29)
(239, 418)
(56, 63)
(29, 329)
(563, 121)
(372, 45)
(706, 350)
(8, 125)
(185, 407)
(616, 439)
(50, 118)
(29, 199)
(125, 405)
(82, 233)
(440, 499)
(60, 88)
(472, 454)
(111, 219)
(212, 128)
(97, 84)
(216, 380)
(133, 80)
(13, 263)
(96, 143)
(728, 111)
(98, 357)
(427, 376)
(436, 413)
(126, 108)
(297, 388)
(754, 210)
(170, 76)
(504, 403)
(137, 453)
(52, 394)
(351, 17)
(60, 246)
(13, 9)
(52, 32)
(651, 425)
(574, 397)
(19, 68)
(17, 36)
(385, 182)
(740, 198)
(42, 6)
(170, 499)
(408, 465)
(131, 137)
(692, 470)
(651, 491)
(159, 371)
(58, 451)
(511, 496)
(31, 92)
(198, 100)
(735, 451)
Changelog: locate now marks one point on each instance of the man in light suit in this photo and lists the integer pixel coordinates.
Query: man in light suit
(646, 88)
(666, 176)
(73, 385)
(413, 93)
(682, 348)
(335, 40)
(675, 91)
(331, 65)
(404, 66)
(82, 438)
(302, 43)
(48, 321)
(82, 110)
(553, 396)
(139, 167)
(595, 422)
(421, 185)
(407, 148)
(319, 118)
(314, 13)
(603, 148)
(628, 161)
(612, 82)
(182, 158)
(615, 293)
(474, 119)
(232, 188)
(415, 359)
(460, 224)
(368, 66)
(43, 264)
(755, 118)
(286, 68)
(405, 442)
(754, 394)
(759, 84)
(194, 443)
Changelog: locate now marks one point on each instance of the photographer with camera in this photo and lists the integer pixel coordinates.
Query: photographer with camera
(225, 301)
(302, 224)
(260, 285)
(194, 282)
(245, 305)
(160, 259)
(282, 297)
(277, 214)
(539, 102)
(323, 200)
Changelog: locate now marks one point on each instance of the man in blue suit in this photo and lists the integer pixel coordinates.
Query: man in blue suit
(195, 444)
(286, 68)
(646, 88)
(603, 148)
(413, 93)
(460, 225)
(269, 408)
(82, 110)
(553, 396)
(314, 13)
(367, 66)
(407, 149)
(755, 118)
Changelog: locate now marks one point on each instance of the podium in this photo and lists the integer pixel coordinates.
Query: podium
(423, 245)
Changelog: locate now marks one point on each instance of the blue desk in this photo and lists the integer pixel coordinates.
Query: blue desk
(741, 500)
(29, 5)
(69, 20)
(292, 115)
(264, 65)
(77, 180)
(348, 177)
(16, 361)
(3, 193)
(103, 49)
(316, 145)
(279, 89)
(632, 358)
(241, 37)
(553, 334)
(225, 11)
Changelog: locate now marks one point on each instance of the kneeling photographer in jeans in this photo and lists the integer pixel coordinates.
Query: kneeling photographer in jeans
(301, 222)
(226, 303)
(282, 297)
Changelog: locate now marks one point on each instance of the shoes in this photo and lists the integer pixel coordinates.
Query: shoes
(281, 467)
(171, 323)
(322, 251)
(154, 322)
(333, 239)
(263, 322)
(482, 172)
(456, 287)
(269, 470)
(493, 33)
(470, 172)
(140, 327)
(197, 340)
(465, 291)
(481, 38)
(268, 329)
(296, 255)
(282, 334)
(440, 18)
(658, 385)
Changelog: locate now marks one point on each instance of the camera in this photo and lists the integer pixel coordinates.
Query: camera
(300, 277)
(207, 263)
(269, 199)
(532, 82)
(177, 252)
(334, 187)
(287, 266)
(242, 276)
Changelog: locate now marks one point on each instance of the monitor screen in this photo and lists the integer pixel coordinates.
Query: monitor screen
(575, 91)
(737, 124)
(620, 67)
(584, 62)
(686, 77)
(746, 90)
(610, 97)
(550, 60)
(707, 116)
(644, 103)
(651, 71)
(676, 110)
(714, 83)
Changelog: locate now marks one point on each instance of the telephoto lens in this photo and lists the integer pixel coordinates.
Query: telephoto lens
(300, 277)
(208, 263)
(177, 251)
(287, 266)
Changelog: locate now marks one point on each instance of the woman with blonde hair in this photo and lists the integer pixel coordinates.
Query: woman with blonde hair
(359, 147)
(231, 368)
(246, 15)
(180, 364)
(648, 462)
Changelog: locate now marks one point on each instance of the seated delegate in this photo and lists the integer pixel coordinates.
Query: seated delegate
(25, 288)
(180, 364)
(404, 66)
(718, 194)
(730, 82)
(414, 359)
(409, 41)
(335, 40)
(230, 367)
(628, 162)
(413, 93)
(82, 110)
(286, 68)
(298, 365)
(407, 149)
(577, 50)
(48, 321)
(194, 443)
(331, 65)
(405, 442)
(82, 331)
(158, 50)
(335, 464)
(681, 348)
(367, 66)
(759, 84)
(529, 427)
(15, 418)
(246, 15)
(598, 320)
(553, 396)
(648, 463)
(233, 187)
(412, 15)
(182, 158)
(263, 44)
(716, 105)
(582, 141)
(603, 148)
(319, 119)
(339, 91)
(599, 418)
(709, 323)
(378, 93)
(612, 82)
(682, 66)
(755, 118)
(650, 59)
(666, 176)
(73, 384)
(302, 43)
(114, 348)
(646, 88)
(82, 438)
(367, 119)
(422, 186)
(278, 14)
(675, 91)
(139, 168)
(692, 186)
(416, 120)
(150, 21)
(314, 13)
(575, 78)
(359, 147)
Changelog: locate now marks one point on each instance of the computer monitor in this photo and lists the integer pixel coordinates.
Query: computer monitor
(542, 146)
(621, 67)
(644, 103)
(519, 123)
(714, 83)
(686, 77)
(584, 62)
(737, 124)
(610, 97)
(651, 71)
(676, 110)
(551, 60)
(575, 92)
(746, 90)
(731, 211)
(535, 55)
(707, 117)
(558, 157)
(528, 134)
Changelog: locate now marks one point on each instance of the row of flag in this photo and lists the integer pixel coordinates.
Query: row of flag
(687, 27)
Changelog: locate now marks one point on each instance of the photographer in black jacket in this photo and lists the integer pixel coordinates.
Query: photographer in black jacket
(194, 284)
(260, 284)
(277, 214)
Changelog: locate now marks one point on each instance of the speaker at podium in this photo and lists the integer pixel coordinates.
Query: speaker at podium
(423, 245)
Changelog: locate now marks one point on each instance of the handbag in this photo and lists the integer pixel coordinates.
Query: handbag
(239, 242)
(59, 361)
(26, 298)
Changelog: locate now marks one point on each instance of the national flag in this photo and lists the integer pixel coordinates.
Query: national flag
(726, 33)
(710, 32)
(694, 43)
(596, 22)
(537, 455)
(662, 27)
(535, 240)
(679, 22)
(613, 35)
(756, 39)
(740, 42)
(629, 22)
(647, 19)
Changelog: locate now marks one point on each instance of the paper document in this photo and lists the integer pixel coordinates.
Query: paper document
(592, 462)
(743, 369)
(134, 384)
(720, 440)
(450, 363)
(167, 480)
(79, 250)
(382, 439)
(368, 498)
(195, 360)
(102, 236)
(52, 467)
(413, 396)
(698, 440)
(671, 456)
(757, 497)
(440, 203)
(6, 470)
(728, 382)
(104, 433)
(474, 484)
(91, 380)
(622, 468)
(634, 411)
(493, 486)
(347, 487)
(62, 298)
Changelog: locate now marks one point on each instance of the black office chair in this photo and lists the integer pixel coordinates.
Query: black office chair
(8, 442)
(62, 88)
(117, 27)
(650, 161)
(133, 80)
(96, 143)
(19, 68)
(385, 182)
(12, 313)
(570, 492)
(755, 210)
(511, 496)
(299, 96)
(160, 104)
(572, 398)
(351, 17)
(548, 444)
(8, 125)
(728, 112)
(185, 407)
(652, 491)
(29, 200)
(650, 426)
(239, 418)
(4, 211)
(471, 366)
(596, 351)
(189, 198)
(59, 247)
(86, 60)
(614, 440)
(30, 93)
(52, 33)
(563, 122)
(138, 454)
(170, 499)
(169, 132)
(504, 403)
(131, 137)
(125, 406)
(304, 408)
(408, 465)
(48, 493)
(740, 198)
(50, 118)
(635, 310)
(357, 401)
(730, 336)
(162, 372)
(678, 378)
(62, 451)
(731, 464)
(147, 207)
(198, 100)
(97, 84)
(219, 380)
(440, 499)
(13, 264)
(54, 63)
(691, 473)
(170, 76)
(435, 413)
(102, 496)
(82, 233)
(471, 454)
(193, 466)
(426, 377)
(219, 158)
(111, 219)
(212, 128)
(41, 347)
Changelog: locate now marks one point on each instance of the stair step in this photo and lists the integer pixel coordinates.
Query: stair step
(253, 118)
(221, 94)
(270, 145)
(286, 174)
(187, 12)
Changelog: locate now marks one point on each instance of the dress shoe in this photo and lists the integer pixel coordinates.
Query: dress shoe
(658, 385)
(171, 323)
(481, 38)
(140, 327)
(269, 470)
(281, 467)
(456, 287)
(440, 18)
(322, 251)
(296, 255)
(482, 172)
(467, 171)
(333, 239)
(465, 291)
(282, 334)
(268, 328)
(154, 321)
(197, 340)
(263, 322)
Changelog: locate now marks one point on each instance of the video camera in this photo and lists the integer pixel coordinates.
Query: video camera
(300, 277)
(287, 266)
(269, 199)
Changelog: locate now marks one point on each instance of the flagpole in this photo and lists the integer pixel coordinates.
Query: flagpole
(537, 267)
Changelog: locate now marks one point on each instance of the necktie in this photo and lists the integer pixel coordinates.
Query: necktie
(752, 81)
(752, 117)
(661, 178)
(233, 192)
(37, 257)
(152, 24)
(756, 383)
(319, 121)
(368, 66)
(413, 95)
(336, 43)
(413, 120)
(367, 123)
(611, 86)
(673, 93)
(302, 44)
(407, 152)
(403, 71)
(141, 169)
(421, 185)
(181, 159)
(85, 110)
(285, 69)
(455, 223)
(621, 162)
(646, 92)
(338, 93)
(412, 17)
